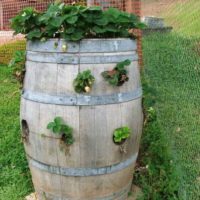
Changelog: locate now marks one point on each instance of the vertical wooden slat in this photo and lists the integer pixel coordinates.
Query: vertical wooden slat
(88, 140)
(93, 166)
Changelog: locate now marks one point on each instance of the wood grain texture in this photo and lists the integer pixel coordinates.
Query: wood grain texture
(103, 187)
(93, 129)
(57, 79)
(62, 172)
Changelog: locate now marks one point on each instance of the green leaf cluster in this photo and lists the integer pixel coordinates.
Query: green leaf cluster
(74, 22)
(18, 63)
(121, 134)
(83, 81)
(119, 75)
(58, 127)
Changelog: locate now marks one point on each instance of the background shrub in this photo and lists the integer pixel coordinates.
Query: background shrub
(7, 50)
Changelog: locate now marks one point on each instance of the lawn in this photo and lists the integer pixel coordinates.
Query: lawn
(15, 179)
(172, 69)
(184, 17)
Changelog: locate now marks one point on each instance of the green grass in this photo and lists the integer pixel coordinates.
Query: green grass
(7, 50)
(172, 69)
(157, 173)
(15, 178)
(184, 17)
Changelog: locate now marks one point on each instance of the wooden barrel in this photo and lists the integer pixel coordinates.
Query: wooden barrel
(93, 167)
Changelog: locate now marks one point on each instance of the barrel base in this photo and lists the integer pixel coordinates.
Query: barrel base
(136, 192)
(114, 186)
(121, 195)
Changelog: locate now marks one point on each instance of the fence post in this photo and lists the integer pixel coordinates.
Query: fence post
(134, 6)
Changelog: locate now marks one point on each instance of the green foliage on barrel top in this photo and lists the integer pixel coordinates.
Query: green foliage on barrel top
(117, 76)
(74, 22)
(83, 82)
(58, 127)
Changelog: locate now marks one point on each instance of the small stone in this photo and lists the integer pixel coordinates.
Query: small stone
(31, 197)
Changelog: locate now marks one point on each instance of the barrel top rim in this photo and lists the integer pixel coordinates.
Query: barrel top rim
(85, 39)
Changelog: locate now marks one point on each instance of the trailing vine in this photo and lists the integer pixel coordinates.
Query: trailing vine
(83, 82)
(74, 22)
(117, 76)
(58, 127)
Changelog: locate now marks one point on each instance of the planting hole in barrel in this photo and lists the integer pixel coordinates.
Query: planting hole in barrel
(119, 143)
(121, 134)
(25, 130)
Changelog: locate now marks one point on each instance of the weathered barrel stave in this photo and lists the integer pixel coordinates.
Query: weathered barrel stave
(101, 121)
(93, 168)
(103, 187)
(57, 79)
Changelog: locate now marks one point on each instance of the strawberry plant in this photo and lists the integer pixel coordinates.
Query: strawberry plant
(58, 127)
(117, 76)
(83, 82)
(121, 134)
(74, 22)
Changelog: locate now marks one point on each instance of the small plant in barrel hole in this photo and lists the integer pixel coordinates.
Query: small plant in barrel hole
(117, 76)
(121, 134)
(83, 82)
(58, 127)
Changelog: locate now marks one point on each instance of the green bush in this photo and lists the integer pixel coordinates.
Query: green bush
(7, 50)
